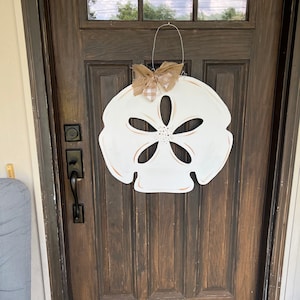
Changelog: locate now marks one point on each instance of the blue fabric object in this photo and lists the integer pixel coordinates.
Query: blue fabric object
(15, 240)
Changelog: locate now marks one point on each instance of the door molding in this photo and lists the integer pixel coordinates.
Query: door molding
(42, 85)
(285, 125)
(287, 116)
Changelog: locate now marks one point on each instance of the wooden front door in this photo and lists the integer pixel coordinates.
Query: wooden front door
(205, 244)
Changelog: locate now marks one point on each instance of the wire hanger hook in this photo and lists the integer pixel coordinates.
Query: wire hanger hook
(155, 37)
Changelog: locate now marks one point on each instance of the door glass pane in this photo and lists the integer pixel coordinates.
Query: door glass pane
(112, 9)
(168, 10)
(127, 10)
(228, 10)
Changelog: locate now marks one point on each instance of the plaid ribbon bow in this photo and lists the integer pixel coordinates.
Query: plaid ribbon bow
(148, 82)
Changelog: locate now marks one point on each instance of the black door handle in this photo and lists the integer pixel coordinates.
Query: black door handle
(78, 209)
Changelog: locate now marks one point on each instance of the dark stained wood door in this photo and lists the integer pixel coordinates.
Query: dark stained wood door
(206, 244)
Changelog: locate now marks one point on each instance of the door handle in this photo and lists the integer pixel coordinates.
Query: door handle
(75, 171)
(78, 208)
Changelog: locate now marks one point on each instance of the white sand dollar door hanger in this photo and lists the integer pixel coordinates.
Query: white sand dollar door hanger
(208, 144)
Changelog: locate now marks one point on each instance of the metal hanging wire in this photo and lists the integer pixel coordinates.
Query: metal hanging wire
(155, 37)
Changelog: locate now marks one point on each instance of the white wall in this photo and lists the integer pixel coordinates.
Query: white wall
(17, 137)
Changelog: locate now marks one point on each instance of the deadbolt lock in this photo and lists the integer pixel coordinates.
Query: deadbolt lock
(72, 132)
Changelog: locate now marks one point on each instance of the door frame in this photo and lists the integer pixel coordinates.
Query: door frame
(284, 140)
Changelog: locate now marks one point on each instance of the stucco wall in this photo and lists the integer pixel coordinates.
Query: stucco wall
(17, 139)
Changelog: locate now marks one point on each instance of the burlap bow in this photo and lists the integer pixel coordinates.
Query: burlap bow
(147, 82)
